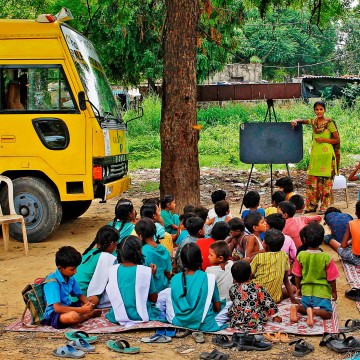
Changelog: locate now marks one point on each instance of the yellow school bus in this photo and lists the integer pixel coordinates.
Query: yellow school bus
(62, 139)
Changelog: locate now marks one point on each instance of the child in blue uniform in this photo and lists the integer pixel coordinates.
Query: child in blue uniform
(154, 253)
(124, 216)
(92, 273)
(131, 288)
(194, 299)
(60, 311)
(171, 221)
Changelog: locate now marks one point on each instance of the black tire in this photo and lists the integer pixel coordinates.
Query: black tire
(40, 205)
(73, 209)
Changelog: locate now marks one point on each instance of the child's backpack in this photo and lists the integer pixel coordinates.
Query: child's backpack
(33, 295)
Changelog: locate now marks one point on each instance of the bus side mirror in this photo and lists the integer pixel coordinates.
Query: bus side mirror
(82, 100)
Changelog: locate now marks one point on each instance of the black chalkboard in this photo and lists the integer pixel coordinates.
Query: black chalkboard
(270, 143)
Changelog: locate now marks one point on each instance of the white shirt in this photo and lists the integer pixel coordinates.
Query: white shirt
(224, 278)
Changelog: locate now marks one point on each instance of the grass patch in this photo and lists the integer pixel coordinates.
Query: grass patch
(219, 139)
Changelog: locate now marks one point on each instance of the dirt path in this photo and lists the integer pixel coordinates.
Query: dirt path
(16, 271)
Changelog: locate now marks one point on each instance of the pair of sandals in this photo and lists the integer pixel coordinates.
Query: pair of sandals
(340, 343)
(77, 347)
(242, 341)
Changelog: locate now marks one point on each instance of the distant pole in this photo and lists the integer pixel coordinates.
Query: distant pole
(298, 69)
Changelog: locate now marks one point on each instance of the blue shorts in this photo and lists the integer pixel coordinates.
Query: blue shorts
(348, 256)
(54, 318)
(315, 302)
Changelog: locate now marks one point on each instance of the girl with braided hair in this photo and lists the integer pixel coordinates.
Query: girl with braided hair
(92, 273)
(125, 215)
(194, 300)
(131, 288)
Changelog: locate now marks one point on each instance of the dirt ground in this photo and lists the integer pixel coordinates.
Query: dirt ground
(16, 271)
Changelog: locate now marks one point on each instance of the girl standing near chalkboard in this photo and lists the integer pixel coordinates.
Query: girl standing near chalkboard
(323, 164)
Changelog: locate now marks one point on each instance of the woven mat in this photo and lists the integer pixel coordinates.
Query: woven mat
(102, 325)
(352, 274)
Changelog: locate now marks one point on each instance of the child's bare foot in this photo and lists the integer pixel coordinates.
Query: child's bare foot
(310, 317)
(96, 313)
(293, 313)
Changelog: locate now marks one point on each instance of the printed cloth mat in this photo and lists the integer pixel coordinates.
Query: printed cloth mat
(352, 274)
(102, 325)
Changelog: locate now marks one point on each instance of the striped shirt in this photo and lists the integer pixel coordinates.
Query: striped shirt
(268, 270)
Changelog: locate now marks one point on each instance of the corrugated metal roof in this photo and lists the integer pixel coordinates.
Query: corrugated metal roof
(332, 77)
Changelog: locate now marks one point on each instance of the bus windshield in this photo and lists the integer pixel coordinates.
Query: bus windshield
(91, 74)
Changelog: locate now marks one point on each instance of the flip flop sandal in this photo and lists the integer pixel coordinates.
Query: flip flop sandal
(350, 325)
(171, 332)
(283, 337)
(198, 337)
(301, 348)
(249, 342)
(75, 334)
(180, 333)
(156, 338)
(223, 341)
(83, 345)
(68, 351)
(122, 346)
(329, 340)
(273, 337)
(214, 355)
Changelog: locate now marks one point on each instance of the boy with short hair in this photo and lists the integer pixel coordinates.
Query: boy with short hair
(251, 202)
(216, 196)
(294, 224)
(219, 254)
(299, 203)
(220, 231)
(276, 221)
(270, 268)
(276, 198)
(60, 312)
(195, 227)
(237, 238)
(256, 225)
(222, 210)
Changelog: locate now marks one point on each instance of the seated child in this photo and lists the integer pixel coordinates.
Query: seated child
(125, 215)
(276, 221)
(92, 273)
(152, 211)
(237, 238)
(256, 224)
(190, 290)
(131, 288)
(219, 254)
(60, 311)
(202, 212)
(251, 202)
(299, 203)
(294, 224)
(182, 227)
(252, 305)
(354, 176)
(195, 227)
(315, 274)
(270, 268)
(216, 196)
(220, 231)
(276, 198)
(171, 221)
(286, 185)
(349, 249)
(337, 223)
(154, 253)
(222, 210)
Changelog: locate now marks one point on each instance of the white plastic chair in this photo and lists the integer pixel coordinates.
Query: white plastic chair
(341, 184)
(13, 217)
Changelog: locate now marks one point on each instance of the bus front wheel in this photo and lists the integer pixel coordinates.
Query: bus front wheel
(40, 206)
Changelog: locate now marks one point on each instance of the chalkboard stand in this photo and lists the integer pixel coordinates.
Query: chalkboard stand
(269, 112)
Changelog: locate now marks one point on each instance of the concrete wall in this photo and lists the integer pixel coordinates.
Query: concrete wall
(237, 73)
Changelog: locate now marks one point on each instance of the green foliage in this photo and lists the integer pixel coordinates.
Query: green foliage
(350, 93)
(219, 139)
(326, 94)
(255, 60)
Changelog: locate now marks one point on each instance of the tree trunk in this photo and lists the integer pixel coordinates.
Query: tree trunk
(180, 173)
